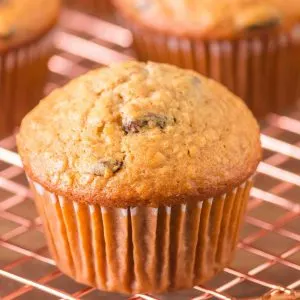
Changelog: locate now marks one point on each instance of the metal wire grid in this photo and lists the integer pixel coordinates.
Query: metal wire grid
(268, 256)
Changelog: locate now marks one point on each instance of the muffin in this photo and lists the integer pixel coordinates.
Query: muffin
(101, 8)
(141, 174)
(26, 31)
(252, 47)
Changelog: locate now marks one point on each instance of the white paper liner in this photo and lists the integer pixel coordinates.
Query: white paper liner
(142, 249)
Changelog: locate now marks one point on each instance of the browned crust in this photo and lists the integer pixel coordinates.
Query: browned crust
(123, 198)
(121, 9)
(219, 168)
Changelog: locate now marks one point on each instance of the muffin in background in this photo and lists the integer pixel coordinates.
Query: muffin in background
(26, 31)
(100, 8)
(252, 47)
(141, 174)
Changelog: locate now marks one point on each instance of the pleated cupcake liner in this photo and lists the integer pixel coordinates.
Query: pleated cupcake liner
(142, 249)
(23, 74)
(264, 70)
(100, 8)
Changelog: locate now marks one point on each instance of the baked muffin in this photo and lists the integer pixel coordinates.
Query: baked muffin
(141, 173)
(100, 8)
(251, 46)
(26, 30)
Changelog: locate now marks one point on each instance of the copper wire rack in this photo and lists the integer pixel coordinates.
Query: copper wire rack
(268, 255)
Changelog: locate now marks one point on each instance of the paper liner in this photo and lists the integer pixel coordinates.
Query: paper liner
(23, 73)
(142, 249)
(101, 8)
(264, 70)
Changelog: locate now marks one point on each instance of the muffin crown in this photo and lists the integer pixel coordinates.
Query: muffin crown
(140, 134)
(24, 20)
(212, 18)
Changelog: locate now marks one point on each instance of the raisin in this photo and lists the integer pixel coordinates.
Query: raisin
(103, 165)
(146, 122)
(269, 23)
(196, 80)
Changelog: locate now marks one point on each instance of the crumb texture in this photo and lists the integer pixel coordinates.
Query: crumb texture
(140, 134)
(23, 20)
(211, 18)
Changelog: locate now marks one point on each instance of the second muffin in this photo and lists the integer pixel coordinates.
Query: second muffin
(26, 35)
(251, 46)
(141, 173)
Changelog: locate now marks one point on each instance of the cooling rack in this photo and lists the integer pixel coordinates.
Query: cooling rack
(268, 255)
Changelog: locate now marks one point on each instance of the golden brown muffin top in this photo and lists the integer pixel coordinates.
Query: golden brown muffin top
(211, 18)
(140, 134)
(24, 20)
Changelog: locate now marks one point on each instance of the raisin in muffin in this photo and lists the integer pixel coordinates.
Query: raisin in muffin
(25, 45)
(251, 46)
(141, 174)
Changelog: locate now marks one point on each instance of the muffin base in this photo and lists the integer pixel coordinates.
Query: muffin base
(23, 73)
(142, 249)
(263, 70)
